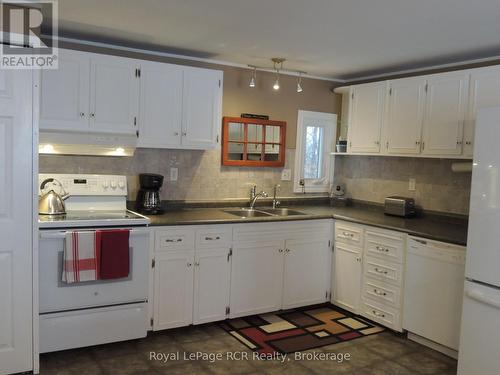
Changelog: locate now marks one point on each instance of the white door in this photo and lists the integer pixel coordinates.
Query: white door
(479, 338)
(64, 93)
(173, 289)
(445, 113)
(16, 221)
(256, 278)
(114, 94)
(211, 285)
(366, 117)
(484, 92)
(403, 130)
(160, 105)
(347, 277)
(306, 272)
(201, 108)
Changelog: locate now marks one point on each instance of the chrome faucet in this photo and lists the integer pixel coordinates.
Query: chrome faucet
(254, 195)
(276, 202)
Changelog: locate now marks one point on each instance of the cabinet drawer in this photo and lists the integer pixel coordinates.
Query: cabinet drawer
(385, 245)
(384, 315)
(174, 239)
(213, 237)
(383, 270)
(382, 292)
(348, 233)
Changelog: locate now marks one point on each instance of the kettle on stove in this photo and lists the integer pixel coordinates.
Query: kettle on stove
(52, 203)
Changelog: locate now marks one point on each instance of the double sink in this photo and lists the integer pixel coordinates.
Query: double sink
(248, 212)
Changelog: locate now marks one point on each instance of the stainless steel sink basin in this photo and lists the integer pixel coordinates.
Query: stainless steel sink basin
(243, 213)
(282, 212)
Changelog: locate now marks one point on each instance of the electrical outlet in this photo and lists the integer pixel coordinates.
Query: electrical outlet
(286, 175)
(411, 184)
(174, 174)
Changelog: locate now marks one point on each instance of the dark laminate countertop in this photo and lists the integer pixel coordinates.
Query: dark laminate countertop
(441, 228)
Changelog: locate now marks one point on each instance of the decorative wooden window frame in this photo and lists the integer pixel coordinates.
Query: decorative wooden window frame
(253, 163)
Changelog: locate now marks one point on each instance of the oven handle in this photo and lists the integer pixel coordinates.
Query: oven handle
(62, 234)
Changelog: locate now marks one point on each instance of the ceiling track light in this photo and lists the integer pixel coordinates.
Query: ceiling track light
(254, 75)
(299, 83)
(277, 68)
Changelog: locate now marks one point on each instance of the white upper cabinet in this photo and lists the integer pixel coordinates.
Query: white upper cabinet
(114, 94)
(64, 93)
(201, 107)
(160, 105)
(167, 106)
(366, 117)
(445, 107)
(404, 116)
(484, 92)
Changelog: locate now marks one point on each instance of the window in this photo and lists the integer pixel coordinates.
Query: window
(315, 137)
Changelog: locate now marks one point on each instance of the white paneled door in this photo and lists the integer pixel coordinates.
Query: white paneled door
(16, 221)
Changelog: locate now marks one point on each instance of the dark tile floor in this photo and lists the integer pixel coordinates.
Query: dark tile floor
(385, 353)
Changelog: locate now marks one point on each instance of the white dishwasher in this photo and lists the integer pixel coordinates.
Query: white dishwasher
(434, 287)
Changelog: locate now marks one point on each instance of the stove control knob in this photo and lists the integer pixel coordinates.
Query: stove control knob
(113, 185)
(105, 184)
(121, 185)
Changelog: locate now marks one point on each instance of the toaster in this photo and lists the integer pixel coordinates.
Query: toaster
(399, 206)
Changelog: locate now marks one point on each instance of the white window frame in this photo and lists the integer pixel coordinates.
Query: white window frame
(330, 130)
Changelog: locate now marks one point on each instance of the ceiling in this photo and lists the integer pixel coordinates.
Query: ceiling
(342, 39)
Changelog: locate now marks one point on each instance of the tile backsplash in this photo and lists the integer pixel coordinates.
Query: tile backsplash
(201, 176)
(437, 188)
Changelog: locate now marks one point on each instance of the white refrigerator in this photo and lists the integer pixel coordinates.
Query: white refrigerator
(479, 351)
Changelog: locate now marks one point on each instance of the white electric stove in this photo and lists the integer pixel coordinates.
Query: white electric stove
(97, 312)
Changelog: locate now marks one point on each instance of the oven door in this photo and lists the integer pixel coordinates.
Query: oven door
(57, 296)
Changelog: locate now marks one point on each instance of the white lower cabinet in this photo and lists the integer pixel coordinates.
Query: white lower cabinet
(173, 289)
(191, 282)
(306, 272)
(256, 277)
(211, 285)
(347, 277)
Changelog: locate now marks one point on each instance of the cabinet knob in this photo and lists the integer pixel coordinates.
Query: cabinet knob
(176, 133)
(280, 250)
(287, 250)
(189, 264)
(184, 134)
(92, 115)
(197, 264)
(82, 114)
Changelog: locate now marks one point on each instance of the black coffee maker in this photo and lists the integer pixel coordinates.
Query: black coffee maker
(148, 198)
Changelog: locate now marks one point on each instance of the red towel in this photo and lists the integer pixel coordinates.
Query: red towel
(115, 259)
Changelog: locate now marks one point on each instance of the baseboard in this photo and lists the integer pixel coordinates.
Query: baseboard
(433, 345)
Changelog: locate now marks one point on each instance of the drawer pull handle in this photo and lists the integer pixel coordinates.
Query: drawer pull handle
(347, 234)
(177, 240)
(379, 293)
(382, 249)
(212, 238)
(380, 271)
(376, 313)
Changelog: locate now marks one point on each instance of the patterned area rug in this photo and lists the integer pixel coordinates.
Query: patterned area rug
(298, 329)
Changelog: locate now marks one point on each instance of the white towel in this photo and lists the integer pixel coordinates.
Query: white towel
(81, 257)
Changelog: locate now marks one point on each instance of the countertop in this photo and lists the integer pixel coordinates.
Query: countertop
(435, 227)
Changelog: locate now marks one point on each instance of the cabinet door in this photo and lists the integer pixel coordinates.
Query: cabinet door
(256, 278)
(403, 130)
(160, 106)
(484, 92)
(211, 285)
(367, 112)
(201, 108)
(445, 113)
(64, 93)
(347, 277)
(306, 272)
(16, 221)
(114, 94)
(173, 289)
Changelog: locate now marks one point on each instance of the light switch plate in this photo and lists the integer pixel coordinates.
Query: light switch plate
(286, 175)
(411, 184)
(174, 174)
